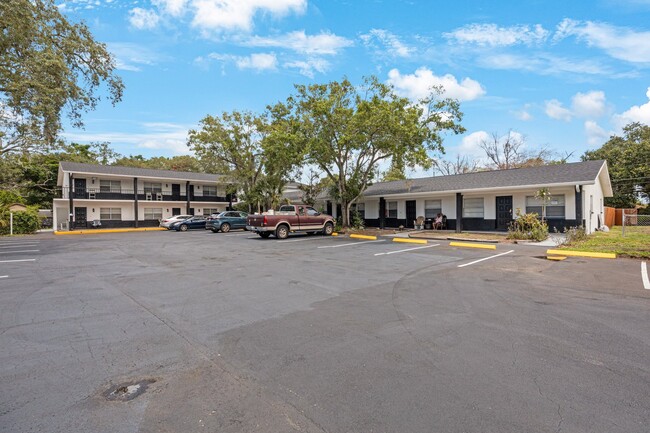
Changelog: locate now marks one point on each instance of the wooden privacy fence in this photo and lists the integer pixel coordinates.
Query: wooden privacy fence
(610, 216)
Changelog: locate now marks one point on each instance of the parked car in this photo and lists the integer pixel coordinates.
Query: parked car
(225, 221)
(195, 222)
(167, 222)
(291, 219)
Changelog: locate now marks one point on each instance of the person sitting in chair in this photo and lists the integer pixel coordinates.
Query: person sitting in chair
(437, 223)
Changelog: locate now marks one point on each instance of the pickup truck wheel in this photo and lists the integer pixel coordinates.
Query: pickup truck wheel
(264, 235)
(183, 228)
(282, 232)
(328, 229)
(225, 228)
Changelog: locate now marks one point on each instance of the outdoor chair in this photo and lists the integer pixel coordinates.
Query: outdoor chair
(418, 224)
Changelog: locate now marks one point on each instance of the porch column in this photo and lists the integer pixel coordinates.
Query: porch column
(459, 212)
(579, 219)
(187, 197)
(135, 200)
(71, 201)
(382, 213)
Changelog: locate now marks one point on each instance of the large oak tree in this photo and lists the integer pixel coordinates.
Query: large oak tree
(349, 131)
(49, 67)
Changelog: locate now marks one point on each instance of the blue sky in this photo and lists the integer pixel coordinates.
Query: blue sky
(563, 74)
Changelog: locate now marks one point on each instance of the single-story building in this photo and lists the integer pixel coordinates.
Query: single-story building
(115, 196)
(488, 200)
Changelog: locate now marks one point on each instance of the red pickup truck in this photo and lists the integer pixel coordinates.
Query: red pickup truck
(290, 219)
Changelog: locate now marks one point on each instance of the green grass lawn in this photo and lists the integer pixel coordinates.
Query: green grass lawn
(636, 242)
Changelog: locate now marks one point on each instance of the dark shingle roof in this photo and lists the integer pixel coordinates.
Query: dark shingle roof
(577, 172)
(116, 170)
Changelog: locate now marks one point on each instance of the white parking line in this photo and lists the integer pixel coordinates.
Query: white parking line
(302, 239)
(406, 250)
(4, 276)
(18, 243)
(644, 276)
(485, 258)
(22, 251)
(237, 234)
(19, 246)
(20, 260)
(352, 244)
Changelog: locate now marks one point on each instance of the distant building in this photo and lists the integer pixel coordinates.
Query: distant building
(133, 197)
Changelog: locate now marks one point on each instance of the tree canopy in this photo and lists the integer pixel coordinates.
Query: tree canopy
(348, 131)
(48, 67)
(628, 160)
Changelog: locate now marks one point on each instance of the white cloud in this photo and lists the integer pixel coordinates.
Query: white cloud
(130, 57)
(555, 110)
(493, 36)
(298, 41)
(619, 42)
(390, 43)
(544, 64)
(418, 85)
(471, 144)
(160, 136)
(524, 113)
(175, 8)
(595, 134)
(258, 61)
(309, 67)
(637, 113)
(218, 15)
(143, 18)
(590, 104)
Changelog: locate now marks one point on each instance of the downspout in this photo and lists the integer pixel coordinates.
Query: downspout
(71, 201)
(459, 212)
(382, 213)
(187, 197)
(135, 200)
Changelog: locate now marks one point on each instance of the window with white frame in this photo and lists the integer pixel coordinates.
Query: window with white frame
(473, 207)
(110, 186)
(432, 208)
(110, 213)
(207, 211)
(153, 213)
(210, 190)
(152, 187)
(554, 207)
(391, 209)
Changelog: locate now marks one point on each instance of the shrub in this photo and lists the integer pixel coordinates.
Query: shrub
(356, 221)
(25, 222)
(527, 226)
(575, 234)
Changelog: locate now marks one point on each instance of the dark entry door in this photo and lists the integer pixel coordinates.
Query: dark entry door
(176, 191)
(504, 212)
(80, 217)
(80, 188)
(176, 211)
(410, 213)
(192, 193)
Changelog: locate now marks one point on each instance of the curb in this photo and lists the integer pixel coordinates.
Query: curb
(410, 241)
(582, 254)
(469, 245)
(370, 238)
(98, 232)
(556, 258)
(453, 238)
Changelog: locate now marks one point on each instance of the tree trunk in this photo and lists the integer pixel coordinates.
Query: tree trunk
(345, 218)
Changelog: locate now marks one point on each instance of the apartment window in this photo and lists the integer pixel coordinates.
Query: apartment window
(391, 209)
(153, 213)
(554, 207)
(110, 186)
(473, 207)
(152, 187)
(110, 213)
(432, 208)
(361, 209)
(207, 211)
(210, 190)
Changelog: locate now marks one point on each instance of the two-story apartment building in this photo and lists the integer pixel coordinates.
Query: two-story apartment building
(133, 197)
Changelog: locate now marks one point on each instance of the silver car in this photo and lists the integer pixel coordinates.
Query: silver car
(167, 222)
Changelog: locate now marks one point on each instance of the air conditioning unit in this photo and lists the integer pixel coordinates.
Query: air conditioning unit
(91, 194)
(147, 196)
(159, 196)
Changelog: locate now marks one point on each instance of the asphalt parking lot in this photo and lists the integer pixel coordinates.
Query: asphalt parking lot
(233, 333)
